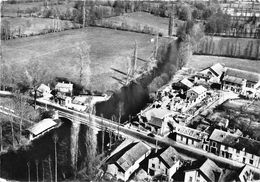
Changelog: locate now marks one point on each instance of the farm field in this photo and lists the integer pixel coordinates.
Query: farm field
(200, 61)
(109, 48)
(29, 26)
(133, 19)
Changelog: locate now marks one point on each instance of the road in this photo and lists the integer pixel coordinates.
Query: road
(102, 123)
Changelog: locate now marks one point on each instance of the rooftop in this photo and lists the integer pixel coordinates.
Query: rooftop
(235, 141)
(249, 76)
(233, 79)
(186, 82)
(198, 89)
(42, 126)
(169, 156)
(196, 134)
(128, 155)
(208, 168)
(64, 85)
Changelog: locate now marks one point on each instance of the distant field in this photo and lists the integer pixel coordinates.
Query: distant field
(109, 48)
(132, 19)
(30, 26)
(199, 62)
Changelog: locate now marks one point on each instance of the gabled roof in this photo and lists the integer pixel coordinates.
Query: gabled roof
(233, 79)
(169, 157)
(217, 69)
(64, 85)
(186, 82)
(42, 126)
(235, 141)
(198, 89)
(209, 169)
(43, 87)
(127, 156)
(249, 76)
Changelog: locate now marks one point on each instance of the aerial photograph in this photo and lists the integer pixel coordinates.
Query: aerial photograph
(130, 91)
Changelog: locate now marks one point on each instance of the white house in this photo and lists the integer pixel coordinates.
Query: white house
(211, 74)
(123, 163)
(164, 162)
(65, 88)
(240, 81)
(196, 94)
(202, 171)
(188, 136)
(235, 147)
(44, 91)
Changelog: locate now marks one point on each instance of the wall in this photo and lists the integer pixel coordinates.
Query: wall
(230, 47)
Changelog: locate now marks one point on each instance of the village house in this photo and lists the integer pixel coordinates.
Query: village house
(202, 171)
(165, 162)
(127, 158)
(41, 127)
(196, 95)
(157, 119)
(188, 136)
(183, 84)
(44, 91)
(241, 82)
(211, 74)
(64, 88)
(235, 147)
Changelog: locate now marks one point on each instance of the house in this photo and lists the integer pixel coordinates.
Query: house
(196, 94)
(165, 162)
(211, 74)
(64, 88)
(235, 147)
(183, 84)
(156, 119)
(240, 81)
(202, 171)
(44, 91)
(127, 158)
(41, 127)
(188, 136)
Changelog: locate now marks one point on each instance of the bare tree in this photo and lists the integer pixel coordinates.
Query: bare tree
(37, 171)
(43, 171)
(55, 140)
(36, 73)
(83, 52)
(50, 170)
(29, 171)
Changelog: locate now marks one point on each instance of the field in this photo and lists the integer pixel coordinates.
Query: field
(132, 19)
(29, 26)
(199, 62)
(109, 48)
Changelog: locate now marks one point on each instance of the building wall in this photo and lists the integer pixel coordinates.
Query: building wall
(193, 176)
(186, 140)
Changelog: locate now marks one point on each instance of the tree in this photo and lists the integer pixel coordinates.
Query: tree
(36, 73)
(55, 140)
(83, 53)
(29, 171)
(37, 171)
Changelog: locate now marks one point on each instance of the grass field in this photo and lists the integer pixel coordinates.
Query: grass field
(132, 19)
(199, 62)
(109, 48)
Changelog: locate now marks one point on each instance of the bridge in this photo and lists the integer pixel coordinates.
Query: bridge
(100, 123)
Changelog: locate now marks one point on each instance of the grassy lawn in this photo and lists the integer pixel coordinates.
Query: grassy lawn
(109, 48)
(142, 18)
(199, 62)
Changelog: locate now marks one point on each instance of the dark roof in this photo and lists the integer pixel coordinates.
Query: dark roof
(157, 122)
(169, 157)
(233, 79)
(126, 157)
(208, 168)
(249, 76)
(235, 141)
